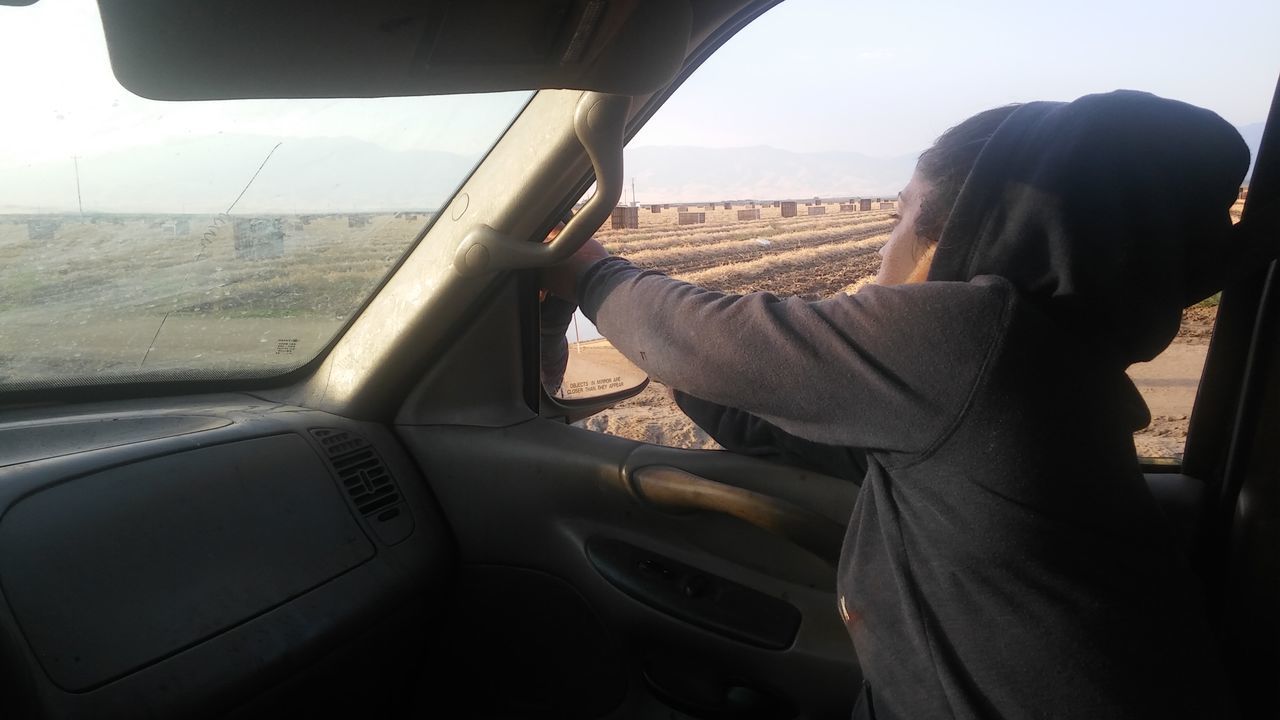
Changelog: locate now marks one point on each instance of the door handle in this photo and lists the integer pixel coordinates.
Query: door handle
(674, 490)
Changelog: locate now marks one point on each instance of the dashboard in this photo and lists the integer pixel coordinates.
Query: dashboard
(181, 560)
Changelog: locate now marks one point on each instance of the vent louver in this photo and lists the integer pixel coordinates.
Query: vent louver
(338, 442)
(367, 481)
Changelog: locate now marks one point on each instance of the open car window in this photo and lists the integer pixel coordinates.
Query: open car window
(775, 167)
(147, 240)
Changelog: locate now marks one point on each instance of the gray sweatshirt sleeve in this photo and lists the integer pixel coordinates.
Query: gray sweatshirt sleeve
(743, 433)
(889, 369)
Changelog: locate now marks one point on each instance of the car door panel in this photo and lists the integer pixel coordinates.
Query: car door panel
(546, 497)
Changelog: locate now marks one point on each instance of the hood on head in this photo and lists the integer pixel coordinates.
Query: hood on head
(1111, 213)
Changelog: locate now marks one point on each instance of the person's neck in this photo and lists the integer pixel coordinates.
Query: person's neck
(921, 271)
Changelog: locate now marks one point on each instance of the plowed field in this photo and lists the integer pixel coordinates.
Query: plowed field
(810, 256)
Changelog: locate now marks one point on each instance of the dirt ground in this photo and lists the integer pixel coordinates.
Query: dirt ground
(1169, 382)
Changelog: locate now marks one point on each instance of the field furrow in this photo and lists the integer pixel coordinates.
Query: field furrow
(679, 255)
(689, 261)
(811, 272)
(645, 238)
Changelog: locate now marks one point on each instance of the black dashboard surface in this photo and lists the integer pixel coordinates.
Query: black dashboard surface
(180, 560)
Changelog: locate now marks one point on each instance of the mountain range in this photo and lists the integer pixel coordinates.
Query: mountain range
(206, 174)
(700, 174)
(693, 174)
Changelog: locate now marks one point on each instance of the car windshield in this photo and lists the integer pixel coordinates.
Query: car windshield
(149, 240)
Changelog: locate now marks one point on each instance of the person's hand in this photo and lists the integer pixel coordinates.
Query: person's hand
(561, 280)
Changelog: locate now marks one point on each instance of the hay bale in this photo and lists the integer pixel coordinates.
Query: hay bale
(42, 229)
(626, 218)
(259, 238)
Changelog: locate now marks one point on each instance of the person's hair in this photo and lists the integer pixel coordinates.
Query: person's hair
(946, 165)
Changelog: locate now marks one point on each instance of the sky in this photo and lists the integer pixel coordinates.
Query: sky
(882, 79)
(886, 78)
(61, 99)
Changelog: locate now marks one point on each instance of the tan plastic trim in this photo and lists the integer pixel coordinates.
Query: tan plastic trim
(598, 123)
(675, 490)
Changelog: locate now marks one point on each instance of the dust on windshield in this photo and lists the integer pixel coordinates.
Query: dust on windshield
(200, 240)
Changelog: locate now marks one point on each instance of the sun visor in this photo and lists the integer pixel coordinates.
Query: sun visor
(223, 49)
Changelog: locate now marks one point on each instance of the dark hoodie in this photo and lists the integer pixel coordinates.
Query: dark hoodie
(1005, 558)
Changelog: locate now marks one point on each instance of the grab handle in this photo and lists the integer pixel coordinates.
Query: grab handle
(598, 121)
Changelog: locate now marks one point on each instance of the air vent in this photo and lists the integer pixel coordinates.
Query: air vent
(338, 442)
(367, 482)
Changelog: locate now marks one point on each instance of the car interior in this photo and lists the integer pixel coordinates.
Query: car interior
(407, 524)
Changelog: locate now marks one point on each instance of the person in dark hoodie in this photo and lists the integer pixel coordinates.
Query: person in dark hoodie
(1005, 558)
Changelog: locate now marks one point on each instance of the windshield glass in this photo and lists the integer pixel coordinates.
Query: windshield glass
(200, 240)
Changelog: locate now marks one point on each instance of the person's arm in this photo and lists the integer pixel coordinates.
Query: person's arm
(555, 313)
(745, 434)
(555, 316)
(890, 368)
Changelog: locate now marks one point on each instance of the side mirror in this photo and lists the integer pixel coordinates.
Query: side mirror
(582, 373)
(574, 410)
